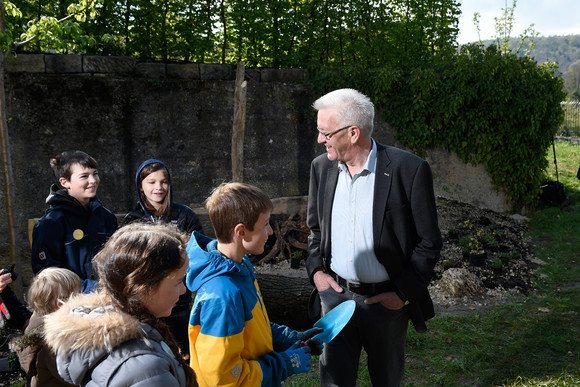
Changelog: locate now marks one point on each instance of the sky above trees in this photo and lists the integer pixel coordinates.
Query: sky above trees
(550, 17)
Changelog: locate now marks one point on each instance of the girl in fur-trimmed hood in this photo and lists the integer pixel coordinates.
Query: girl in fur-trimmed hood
(114, 337)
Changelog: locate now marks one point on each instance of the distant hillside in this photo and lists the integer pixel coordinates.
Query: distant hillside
(564, 50)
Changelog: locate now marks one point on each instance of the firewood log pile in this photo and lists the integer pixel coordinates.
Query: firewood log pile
(291, 235)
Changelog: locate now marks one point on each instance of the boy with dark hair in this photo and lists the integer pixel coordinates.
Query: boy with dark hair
(232, 341)
(75, 225)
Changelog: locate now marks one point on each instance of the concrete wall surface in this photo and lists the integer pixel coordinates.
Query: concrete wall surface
(122, 112)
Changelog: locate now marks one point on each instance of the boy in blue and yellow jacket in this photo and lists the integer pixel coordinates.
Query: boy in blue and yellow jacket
(232, 342)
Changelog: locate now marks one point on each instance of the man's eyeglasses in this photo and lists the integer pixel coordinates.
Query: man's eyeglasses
(327, 135)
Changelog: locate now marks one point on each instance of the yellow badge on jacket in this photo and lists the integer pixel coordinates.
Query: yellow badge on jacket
(78, 234)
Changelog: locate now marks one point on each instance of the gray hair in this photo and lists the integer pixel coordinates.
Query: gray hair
(353, 108)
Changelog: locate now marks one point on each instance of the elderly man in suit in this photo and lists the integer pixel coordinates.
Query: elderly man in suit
(374, 238)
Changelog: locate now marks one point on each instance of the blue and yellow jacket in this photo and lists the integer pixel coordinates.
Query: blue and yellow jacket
(232, 342)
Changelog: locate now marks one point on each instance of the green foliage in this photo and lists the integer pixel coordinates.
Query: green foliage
(487, 105)
(497, 109)
(563, 50)
(503, 28)
(464, 243)
(572, 81)
(54, 25)
(262, 33)
(13, 362)
(497, 263)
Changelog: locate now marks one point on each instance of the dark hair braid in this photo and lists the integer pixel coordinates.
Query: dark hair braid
(170, 340)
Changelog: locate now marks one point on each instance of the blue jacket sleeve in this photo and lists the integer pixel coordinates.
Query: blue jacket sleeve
(274, 369)
(283, 337)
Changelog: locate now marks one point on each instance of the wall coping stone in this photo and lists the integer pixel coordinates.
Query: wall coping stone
(109, 64)
(59, 64)
(93, 65)
(253, 74)
(183, 70)
(25, 63)
(283, 75)
(208, 71)
(151, 70)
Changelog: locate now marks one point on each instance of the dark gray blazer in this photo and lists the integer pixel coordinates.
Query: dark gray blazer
(406, 233)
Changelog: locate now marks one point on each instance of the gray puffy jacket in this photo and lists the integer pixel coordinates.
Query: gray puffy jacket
(98, 346)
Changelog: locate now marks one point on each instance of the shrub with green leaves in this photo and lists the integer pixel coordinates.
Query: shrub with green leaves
(488, 107)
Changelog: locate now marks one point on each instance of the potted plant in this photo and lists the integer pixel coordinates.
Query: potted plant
(477, 254)
(497, 266)
(473, 245)
(295, 259)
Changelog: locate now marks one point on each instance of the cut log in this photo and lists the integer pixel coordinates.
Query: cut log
(286, 299)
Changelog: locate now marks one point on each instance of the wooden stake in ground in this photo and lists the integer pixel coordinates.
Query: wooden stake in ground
(239, 124)
(7, 164)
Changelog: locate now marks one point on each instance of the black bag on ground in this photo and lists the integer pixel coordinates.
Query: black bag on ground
(552, 192)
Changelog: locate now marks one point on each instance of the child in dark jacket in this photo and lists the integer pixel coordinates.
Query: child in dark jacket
(75, 225)
(155, 199)
(155, 203)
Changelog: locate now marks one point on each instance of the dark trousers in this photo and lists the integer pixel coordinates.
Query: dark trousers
(380, 331)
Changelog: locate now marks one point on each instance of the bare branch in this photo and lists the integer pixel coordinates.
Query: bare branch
(25, 42)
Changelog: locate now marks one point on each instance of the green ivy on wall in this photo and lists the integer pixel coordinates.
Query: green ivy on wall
(488, 107)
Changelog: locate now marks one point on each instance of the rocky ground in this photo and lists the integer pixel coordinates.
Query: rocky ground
(507, 270)
(10, 372)
(509, 265)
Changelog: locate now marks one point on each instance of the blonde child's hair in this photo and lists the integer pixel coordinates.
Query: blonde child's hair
(233, 203)
(51, 287)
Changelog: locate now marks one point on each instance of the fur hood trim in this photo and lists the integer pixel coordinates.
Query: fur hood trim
(89, 322)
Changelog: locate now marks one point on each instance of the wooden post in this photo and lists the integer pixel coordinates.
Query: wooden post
(7, 163)
(239, 124)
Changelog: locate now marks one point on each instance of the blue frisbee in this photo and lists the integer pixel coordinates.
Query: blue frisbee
(334, 321)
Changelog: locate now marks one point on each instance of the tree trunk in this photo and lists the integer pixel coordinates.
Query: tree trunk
(286, 299)
(239, 124)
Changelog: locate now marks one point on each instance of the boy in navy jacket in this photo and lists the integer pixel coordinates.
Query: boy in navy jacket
(75, 225)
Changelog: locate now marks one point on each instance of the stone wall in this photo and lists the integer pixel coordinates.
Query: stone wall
(123, 112)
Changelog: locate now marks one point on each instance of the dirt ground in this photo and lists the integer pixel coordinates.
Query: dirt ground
(507, 270)
(510, 263)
